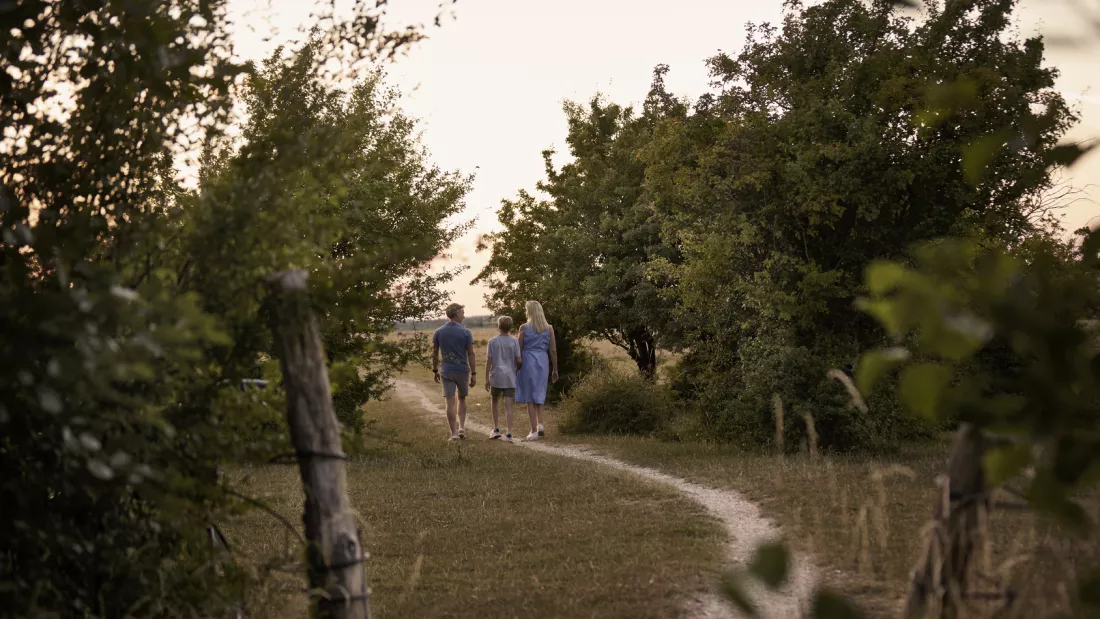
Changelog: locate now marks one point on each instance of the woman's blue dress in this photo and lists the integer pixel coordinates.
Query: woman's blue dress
(534, 374)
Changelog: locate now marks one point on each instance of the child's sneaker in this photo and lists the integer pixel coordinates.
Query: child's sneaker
(542, 430)
(494, 434)
(534, 436)
(507, 438)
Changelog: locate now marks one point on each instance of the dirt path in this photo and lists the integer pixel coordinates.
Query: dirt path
(745, 527)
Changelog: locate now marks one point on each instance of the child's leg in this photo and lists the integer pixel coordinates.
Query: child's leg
(507, 413)
(496, 424)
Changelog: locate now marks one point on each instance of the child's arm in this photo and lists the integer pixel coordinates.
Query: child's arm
(488, 370)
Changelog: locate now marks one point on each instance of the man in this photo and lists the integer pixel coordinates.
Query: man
(458, 374)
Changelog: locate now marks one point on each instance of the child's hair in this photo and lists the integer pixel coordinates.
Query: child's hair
(504, 323)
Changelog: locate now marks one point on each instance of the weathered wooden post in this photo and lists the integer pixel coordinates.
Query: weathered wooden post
(335, 552)
(940, 580)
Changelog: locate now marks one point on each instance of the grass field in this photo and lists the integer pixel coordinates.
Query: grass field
(863, 518)
(484, 529)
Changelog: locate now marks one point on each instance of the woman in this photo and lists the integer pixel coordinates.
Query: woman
(539, 351)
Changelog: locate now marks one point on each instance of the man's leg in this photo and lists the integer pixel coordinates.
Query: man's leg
(451, 413)
(461, 412)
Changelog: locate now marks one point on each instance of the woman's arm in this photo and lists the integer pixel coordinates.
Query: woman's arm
(520, 339)
(553, 356)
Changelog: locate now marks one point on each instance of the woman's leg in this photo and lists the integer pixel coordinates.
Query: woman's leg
(538, 414)
(531, 413)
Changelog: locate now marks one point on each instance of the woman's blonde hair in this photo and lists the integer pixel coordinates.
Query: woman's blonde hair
(535, 317)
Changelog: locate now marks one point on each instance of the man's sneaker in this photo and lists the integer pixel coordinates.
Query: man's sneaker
(507, 438)
(542, 430)
(461, 433)
(494, 434)
(534, 436)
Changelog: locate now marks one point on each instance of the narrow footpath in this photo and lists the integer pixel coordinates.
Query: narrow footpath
(745, 527)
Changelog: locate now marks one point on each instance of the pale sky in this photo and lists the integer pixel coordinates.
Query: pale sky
(488, 86)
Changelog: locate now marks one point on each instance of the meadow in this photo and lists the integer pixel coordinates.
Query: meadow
(479, 528)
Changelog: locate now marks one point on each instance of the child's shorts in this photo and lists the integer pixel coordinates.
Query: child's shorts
(508, 392)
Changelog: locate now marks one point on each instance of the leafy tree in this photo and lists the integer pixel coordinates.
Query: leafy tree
(338, 183)
(118, 358)
(584, 251)
(822, 148)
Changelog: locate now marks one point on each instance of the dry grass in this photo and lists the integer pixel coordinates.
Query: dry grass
(862, 519)
(484, 529)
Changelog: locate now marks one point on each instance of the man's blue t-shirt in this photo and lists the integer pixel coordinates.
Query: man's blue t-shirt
(453, 339)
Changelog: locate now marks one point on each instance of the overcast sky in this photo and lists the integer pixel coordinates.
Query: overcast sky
(488, 85)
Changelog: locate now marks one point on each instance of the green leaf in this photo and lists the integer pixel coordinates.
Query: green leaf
(771, 564)
(734, 591)
(875, 364)
(980, 153)
(1067, 154)
(1003, 463)
(830, 605)
(921, 388)
(881, 276)
(885, 311)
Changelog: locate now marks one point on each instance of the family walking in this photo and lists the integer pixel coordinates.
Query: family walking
(516, 369)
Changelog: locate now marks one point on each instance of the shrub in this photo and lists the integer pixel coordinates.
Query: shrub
(738, 405)
(612, 401)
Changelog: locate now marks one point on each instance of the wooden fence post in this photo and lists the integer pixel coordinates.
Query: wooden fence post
(335, 553)
(941, 578)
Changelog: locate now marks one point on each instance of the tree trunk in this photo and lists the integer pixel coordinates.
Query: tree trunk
(334, 553)
(939, 582)
(643, 350)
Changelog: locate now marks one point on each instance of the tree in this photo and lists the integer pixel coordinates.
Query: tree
(584, 251)
(338, 183)
(116, 400)
(825, 146)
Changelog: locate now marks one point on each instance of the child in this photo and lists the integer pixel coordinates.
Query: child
(501, 364)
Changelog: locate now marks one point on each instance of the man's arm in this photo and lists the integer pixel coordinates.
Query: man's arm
(435, 359)
(473, 363)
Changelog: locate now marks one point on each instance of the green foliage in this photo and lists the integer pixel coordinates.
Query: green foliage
(770, 564)
(1042, 407)
(584, 250)
(765, 191)
(613, 401)
(130, 307)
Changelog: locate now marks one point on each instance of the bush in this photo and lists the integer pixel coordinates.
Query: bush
(611, 401)
(738, 405)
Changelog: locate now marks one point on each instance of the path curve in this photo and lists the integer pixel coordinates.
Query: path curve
(745, 527)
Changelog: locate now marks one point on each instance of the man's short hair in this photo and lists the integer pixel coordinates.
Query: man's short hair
(504, 323)
(453, 309)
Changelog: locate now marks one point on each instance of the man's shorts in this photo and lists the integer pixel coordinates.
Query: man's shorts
(455, 381)
(508, 392)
